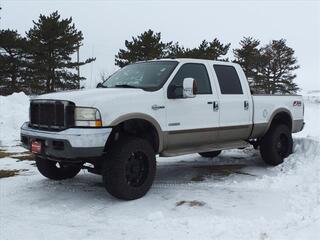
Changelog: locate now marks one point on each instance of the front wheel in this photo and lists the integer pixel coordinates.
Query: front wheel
(129, 168)
(56, 170)
(276, 145)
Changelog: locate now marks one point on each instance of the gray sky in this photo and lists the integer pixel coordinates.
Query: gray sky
(107, 24)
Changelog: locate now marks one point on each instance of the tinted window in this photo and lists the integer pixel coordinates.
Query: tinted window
(228, 79)
(195, 71)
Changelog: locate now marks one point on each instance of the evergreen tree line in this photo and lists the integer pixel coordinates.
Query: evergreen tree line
(42, 61)
(269, 68)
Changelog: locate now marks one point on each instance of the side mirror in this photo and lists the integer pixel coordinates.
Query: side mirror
(189, 88)
(99, 85)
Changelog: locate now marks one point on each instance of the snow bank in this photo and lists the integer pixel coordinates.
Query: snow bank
(243, 198)
(271, 203)
(13, 113)
(311, 116)
(312, 96)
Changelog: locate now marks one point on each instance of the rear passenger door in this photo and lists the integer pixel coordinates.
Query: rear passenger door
(234, 104)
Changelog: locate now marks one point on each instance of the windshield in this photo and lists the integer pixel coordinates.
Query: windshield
(148, 76)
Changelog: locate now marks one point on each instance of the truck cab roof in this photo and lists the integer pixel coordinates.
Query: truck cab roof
(193, 60)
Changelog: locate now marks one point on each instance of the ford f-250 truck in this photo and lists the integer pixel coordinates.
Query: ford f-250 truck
(167, 107)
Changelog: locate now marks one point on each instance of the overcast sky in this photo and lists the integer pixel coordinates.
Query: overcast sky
(107, 24)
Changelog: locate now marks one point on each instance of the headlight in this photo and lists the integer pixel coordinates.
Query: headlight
(87, 117)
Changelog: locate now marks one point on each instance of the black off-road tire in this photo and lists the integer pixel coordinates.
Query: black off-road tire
(210, 154)
(129, 168)
(57, 171)
(276, 145)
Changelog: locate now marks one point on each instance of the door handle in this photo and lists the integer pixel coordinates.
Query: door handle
(246, 105)
(215, 106)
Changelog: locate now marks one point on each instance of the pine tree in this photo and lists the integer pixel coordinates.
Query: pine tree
(209, 50)
(206, 50)
(146, 46)
(249, 58)
(13, 62)
(269, 69)
(277, 66)
(176, 51)
(53, 41)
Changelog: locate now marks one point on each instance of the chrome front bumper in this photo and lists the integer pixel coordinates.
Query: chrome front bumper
(70, 143)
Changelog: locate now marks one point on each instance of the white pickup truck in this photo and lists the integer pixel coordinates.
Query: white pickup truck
(167, 107)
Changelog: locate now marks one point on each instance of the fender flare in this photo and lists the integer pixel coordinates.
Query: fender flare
(274, 113)
(143, 116)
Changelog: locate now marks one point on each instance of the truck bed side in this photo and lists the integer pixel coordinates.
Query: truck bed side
(266, 108)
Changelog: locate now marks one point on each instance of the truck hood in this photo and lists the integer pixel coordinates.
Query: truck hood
(94, 97)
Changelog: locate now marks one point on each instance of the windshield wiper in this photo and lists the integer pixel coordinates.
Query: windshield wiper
(125, 86)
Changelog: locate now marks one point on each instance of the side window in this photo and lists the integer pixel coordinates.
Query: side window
(228, 79)
(196, 71)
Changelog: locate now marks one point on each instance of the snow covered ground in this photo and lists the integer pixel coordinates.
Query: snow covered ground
(235, 196)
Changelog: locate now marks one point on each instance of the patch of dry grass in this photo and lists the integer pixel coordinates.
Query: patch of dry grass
(26, 157)
(193, 203)
(21, 156)
(4, 154)
(8, 173)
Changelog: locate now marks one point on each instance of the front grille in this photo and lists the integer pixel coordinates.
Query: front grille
(51, 114)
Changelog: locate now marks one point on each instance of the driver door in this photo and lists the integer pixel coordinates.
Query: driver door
(191, 122)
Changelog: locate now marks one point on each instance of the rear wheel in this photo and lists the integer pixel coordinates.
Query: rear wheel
(129, 169)
(276, 145)
(56, 170)
(210, 154)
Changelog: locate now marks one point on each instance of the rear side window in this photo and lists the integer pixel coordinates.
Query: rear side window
(228, 79)
(196, 71)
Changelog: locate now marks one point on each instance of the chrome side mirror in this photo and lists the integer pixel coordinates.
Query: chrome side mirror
(189, 88)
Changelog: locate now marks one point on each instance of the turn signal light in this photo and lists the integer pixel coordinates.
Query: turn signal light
(98, 123)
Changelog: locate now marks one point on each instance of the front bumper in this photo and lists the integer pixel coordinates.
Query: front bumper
(72, 143)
